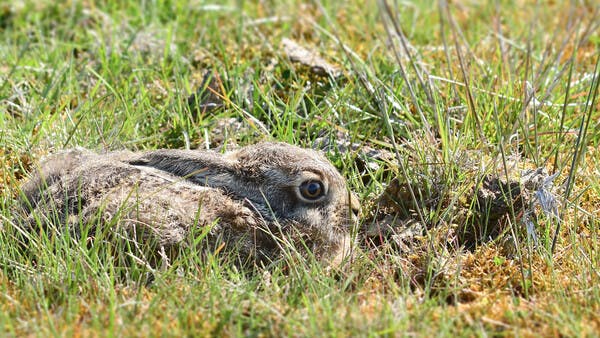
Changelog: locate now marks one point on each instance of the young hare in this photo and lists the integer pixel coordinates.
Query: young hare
(257, 201)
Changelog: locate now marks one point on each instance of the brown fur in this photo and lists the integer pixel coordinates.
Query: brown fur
(246, 199)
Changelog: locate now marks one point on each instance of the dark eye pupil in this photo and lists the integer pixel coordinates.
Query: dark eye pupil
(311, 189)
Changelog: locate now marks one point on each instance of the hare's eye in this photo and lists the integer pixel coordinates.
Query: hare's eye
(312, 190)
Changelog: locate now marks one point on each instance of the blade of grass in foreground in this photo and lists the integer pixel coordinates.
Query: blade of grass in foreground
(580, 144)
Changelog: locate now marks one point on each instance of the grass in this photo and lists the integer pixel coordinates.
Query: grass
(433, 95)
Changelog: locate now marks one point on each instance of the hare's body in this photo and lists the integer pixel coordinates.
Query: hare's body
(258, 199)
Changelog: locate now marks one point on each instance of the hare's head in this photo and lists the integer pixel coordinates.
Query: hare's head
(292, 183)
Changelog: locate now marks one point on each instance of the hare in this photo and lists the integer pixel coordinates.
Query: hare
(255, 201)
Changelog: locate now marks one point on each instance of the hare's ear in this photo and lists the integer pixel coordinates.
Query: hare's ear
(203, 168)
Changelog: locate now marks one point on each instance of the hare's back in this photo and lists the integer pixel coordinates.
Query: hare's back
(82, 188)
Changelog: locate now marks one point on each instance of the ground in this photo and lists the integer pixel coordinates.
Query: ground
(468, 130)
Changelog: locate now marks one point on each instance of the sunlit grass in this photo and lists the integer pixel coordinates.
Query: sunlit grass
(443, 92)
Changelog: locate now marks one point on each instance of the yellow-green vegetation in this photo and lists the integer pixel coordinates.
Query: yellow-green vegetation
(427, 108)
